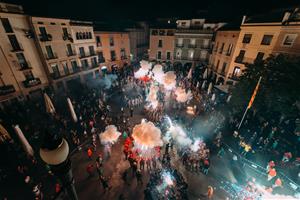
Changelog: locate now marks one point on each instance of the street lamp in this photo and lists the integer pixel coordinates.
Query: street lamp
(54, 151)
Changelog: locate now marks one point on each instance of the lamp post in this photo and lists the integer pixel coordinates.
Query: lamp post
(54, 151)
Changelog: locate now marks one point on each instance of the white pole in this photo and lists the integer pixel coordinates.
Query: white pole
(243, 118)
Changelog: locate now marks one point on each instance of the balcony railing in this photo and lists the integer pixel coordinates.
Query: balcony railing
(179, 45)
(6, 89)
(31, 82)
(44, 37)
(204, 47)
(86, 55)
(25, 66)
(71, 53)
(243, 60)
(233, 77)
(51, 57)
(199, 31)
(192, 45)
(113, 59)
(67, 37)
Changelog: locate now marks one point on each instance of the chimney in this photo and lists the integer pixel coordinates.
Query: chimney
(244, 19)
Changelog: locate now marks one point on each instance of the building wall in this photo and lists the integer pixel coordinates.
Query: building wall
(85, 43)
(139, 42)
(168, 42)
(254, 47)
(10, 65)
(54, 27)
(293, 49)
(121, 41)
(218, 58)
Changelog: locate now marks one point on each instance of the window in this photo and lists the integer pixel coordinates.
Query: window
(162, 32)
(217, 46)
(154, 32)
(170, 32)
(43, 31)
(65, 32)
(222, 48)
(240, 57)
(236, 71)
(203, 55)
(85, 63)
(66, 69)
(229, 50)
(55, 70)
(289, 39)
(98, 40)
(113, 55)
(123, 53)
(206, 43)
(179, 42)
(183, 23)
(90, 35)
(160, 44)
(81, 52)
(191, 54)
(217, 66)
(159, 55)
(74, 65)
(14, 42)
(92, 50)
(111, 41)
(6, 25)
(193, 41)
(223, 67)
(28, 75)
(94, 61)
(168, 55)
(69, 50)
(22, 61)
(247, 38)
(100, 57)
(267, 39)
(52, 23)
(49, 51)
(259, 56)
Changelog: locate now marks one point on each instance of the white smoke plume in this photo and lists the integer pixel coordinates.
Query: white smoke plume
(182, 96)
(169, 80)
(146, 137)
(110, 135)
(196, 145)
(152, 97)
(108, 80)
(144, 69)
(158, 73)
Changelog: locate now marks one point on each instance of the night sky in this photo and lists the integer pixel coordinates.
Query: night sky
(99, 10)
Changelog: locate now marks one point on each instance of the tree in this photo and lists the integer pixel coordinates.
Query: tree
(279, 90)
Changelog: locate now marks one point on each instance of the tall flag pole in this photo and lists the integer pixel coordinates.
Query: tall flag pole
(250, 102)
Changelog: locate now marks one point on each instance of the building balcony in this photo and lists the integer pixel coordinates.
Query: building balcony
(87, 55)
(72, 53)
(113, 59)
(194, 31)
(45, 38)
(6, 89)
(31, 82)
(179, 45)
(17, 49)
(25, 66)
(51, 57)
(67, 37)
(243, 60)
(192, 45)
